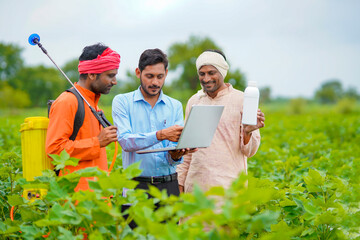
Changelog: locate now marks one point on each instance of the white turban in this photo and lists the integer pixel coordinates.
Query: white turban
(214, 59)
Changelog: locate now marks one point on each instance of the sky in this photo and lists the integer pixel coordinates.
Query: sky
(290, 46)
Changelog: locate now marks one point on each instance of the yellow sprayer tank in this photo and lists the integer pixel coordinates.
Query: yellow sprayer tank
(33, 137)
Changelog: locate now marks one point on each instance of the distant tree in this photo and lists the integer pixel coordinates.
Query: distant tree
(236, 78)
(41, 83)
(330, 92)
(10, 61)
(297, 105)
(182, 57)
(346, 105)
(265, 94)
(71, 70)
(13, 98)
(352, 93)
(130, 83)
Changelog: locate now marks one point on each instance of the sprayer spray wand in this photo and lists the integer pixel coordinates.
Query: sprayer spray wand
(34, 39)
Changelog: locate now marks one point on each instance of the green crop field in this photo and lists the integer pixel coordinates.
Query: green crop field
(303, 183)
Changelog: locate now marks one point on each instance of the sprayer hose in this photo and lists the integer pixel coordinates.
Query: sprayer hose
(114, 157)
(12, 213)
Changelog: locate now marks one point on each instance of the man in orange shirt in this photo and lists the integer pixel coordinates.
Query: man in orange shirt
(98, 67)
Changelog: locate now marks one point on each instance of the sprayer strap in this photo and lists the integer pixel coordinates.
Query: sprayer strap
(80, 114)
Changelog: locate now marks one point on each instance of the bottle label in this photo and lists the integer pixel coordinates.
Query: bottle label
(250, 108)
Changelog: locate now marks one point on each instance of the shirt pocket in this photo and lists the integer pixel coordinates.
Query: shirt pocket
(232, 116)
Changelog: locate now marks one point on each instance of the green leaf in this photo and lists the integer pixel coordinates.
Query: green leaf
(280, 226)
(263, 221)
(64, 214)
(30, 215)
(314, 181)
(46, 176)
(66, 234)
(133, 170)
(216, 191)
(102, 218)
(155, 192)
(83, 196)
(56, 191)
(9, 226)
(46, 222)
(201, 200)
(94, 185)
(287, 202)
(15, 200)
(63, 160)
(87, 172)
(116, 181)
(325, 218)
(31, 232)
(308, 231)
(96, 235)
(313, 210)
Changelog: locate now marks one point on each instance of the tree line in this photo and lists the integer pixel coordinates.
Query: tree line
(31, 86)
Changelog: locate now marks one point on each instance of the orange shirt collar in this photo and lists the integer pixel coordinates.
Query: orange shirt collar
(90, 96)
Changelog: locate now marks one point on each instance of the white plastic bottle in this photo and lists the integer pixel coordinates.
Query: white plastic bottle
(251, 104)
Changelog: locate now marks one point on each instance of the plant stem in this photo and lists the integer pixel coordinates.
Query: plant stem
(9, 206)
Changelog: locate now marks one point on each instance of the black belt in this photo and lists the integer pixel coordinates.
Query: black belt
(157, 179)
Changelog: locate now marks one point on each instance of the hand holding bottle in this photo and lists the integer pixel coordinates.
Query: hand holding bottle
(260, 123)
(251, 104)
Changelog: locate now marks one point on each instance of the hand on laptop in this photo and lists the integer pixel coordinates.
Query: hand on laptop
(171, 133)
(177, 154)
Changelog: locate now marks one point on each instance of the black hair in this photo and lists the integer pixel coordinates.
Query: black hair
(91, 52)
(152, 57)
(217, 51)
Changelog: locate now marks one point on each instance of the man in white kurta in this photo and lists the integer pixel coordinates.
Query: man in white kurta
(233, 143)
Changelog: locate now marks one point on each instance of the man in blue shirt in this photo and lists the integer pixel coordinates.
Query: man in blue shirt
(147, 118)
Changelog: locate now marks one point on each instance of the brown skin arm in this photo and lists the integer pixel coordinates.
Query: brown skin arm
(181, 188)
(177, 154)
(171, 133)
(107, 136)
(249, 128)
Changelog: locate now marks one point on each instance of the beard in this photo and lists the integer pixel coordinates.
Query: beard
(206, 88)
(148, 89)
(99, 88)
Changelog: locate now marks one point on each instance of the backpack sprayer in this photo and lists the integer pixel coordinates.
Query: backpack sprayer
(33, 137)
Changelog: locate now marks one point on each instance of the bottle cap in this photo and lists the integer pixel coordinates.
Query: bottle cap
(252, 84)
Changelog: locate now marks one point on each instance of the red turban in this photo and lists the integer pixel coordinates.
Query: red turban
(108, 60)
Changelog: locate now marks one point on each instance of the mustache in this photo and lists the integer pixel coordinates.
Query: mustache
(154, 86)
(208, 82)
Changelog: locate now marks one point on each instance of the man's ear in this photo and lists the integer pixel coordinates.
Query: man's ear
(137, 72)
(92, 76)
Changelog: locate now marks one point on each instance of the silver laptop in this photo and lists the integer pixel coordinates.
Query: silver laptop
(199, 128)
